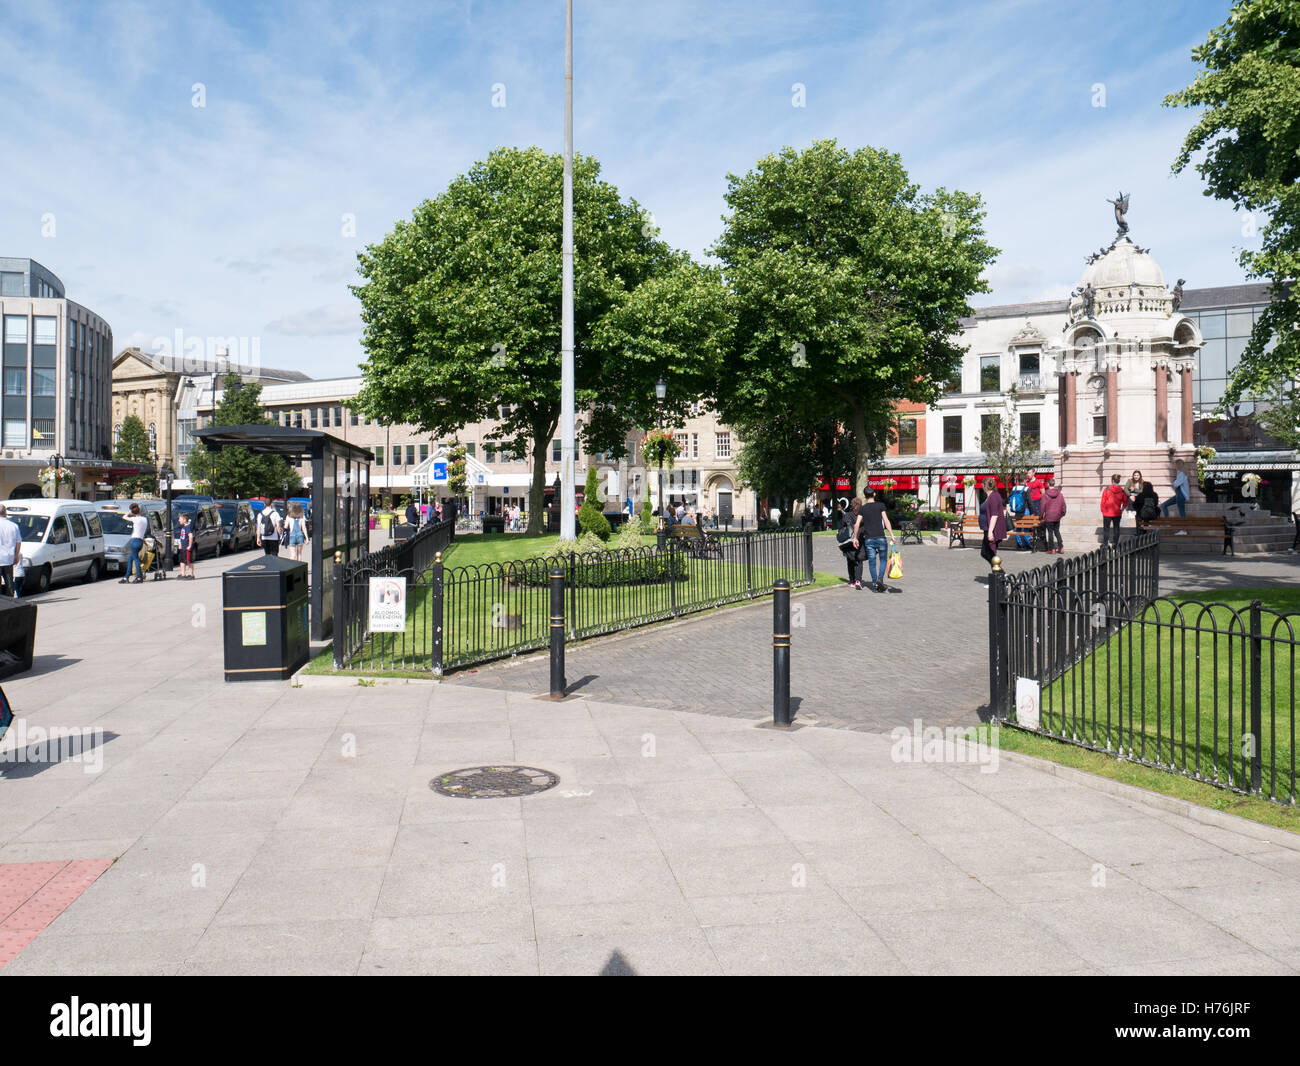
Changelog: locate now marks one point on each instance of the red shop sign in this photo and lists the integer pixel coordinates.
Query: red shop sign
(901, 482)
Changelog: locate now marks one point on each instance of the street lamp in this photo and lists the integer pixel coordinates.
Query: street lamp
(167, 476)
(57, 460)
(661, 391)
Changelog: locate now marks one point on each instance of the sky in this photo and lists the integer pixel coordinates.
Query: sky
(214, 168)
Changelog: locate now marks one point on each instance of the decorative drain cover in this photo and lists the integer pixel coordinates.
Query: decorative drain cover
(491, 782)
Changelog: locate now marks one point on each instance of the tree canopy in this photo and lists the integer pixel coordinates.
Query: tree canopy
(241, 473)
(1250, 135)
(461, 305)
(133, 446)
(847, 288)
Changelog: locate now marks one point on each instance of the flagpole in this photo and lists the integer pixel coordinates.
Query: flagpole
(567, 443)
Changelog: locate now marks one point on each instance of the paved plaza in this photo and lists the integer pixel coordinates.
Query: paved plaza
(264, 828)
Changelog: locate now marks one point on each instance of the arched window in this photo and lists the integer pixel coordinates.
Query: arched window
(117, 434)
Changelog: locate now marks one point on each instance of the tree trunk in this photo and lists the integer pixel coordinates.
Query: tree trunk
(861, 451)
(537, 493)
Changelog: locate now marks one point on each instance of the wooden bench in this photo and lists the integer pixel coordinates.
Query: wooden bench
(1201, 527)
(696, 541)
(1030, 525)
(969, 524)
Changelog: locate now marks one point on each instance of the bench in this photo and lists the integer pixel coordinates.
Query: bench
(1030, 525)
(969, 524)
(910, 532)
(1201, 527)
(696, 541)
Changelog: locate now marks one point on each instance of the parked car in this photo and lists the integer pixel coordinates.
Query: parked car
(62, 540)
(205, 523)
(117, 529)
(237, 530)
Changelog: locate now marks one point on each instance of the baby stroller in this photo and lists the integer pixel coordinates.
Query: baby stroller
(151, 560)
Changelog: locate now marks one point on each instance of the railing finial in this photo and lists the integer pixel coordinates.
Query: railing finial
(997, 564)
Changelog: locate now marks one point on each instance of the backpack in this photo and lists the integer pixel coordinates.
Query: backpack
(845, 535)
(268, 523)
(1150, 509)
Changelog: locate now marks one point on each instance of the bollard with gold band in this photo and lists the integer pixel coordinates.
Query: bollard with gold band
(557, 634)
(781, 654)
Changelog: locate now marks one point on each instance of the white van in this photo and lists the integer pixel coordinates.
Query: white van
(62, 539)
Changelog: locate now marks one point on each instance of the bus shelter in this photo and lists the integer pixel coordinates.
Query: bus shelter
(340, 487)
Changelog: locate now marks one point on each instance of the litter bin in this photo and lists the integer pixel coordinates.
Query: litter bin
(494, 523)
(17, 636)
(265, 619)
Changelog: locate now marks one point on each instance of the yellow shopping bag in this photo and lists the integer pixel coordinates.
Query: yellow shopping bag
(895, 565)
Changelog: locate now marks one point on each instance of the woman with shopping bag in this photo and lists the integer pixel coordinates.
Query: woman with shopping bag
(875, 528)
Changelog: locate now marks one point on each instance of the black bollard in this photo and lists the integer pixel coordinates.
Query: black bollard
(557, 634)
(781, 654)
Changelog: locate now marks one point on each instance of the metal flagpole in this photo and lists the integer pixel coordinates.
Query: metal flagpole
(567, 487)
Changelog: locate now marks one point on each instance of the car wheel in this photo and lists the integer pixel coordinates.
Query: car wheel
(43, 579)
(92, 575)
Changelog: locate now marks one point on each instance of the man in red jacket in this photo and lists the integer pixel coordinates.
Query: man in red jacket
(1114, 501)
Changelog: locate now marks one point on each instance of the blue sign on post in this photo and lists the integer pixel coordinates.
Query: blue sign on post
(440, 471)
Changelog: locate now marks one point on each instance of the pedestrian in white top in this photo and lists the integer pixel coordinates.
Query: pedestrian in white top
(139, 530)
(268, 530)
(11, 546)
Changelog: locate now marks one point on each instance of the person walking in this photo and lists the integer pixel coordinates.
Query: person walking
(1053, 510)
(268, 530)
(11, 547)
(139, 530)
(1182, 491)
(185, 545)
(1037, 486)
(875, 528)
(412, 515)
(1114, 501)
(295, 531)
(993, 511)
(850, 541)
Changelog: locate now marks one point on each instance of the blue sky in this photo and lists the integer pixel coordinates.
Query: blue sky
(229, 219)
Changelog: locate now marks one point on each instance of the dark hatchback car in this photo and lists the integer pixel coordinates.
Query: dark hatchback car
(205, 521)
(237, 530)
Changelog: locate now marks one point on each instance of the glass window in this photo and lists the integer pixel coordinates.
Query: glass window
(11, 284)
(987, 423)
(1029, 427)
(555, 450)
(42, 381)
(1213, 361)
(314, 419)
(59, 531)
(723, 445)
(471, 449)
(78, 525)
(338, 416)
(695, 445)
(45, 330)
(379, 455)
(410, 455)
(96, 530)
(15, 433)
(397, 455)
(424, 452)
(1099, 427)
(952, 433)
(1029, 362)
(907, 436)
(15, 381)
(15, 329)
(1239, 323)
(990, 373)
(1212, 325)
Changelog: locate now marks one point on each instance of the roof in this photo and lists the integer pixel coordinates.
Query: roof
(962, 463)
(200, 366)
(1251, 294)
(279, 440)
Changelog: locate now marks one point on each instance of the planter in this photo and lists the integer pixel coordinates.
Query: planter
(494, 523)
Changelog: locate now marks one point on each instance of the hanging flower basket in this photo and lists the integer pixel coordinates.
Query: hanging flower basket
(660, 445)
(1204, 457)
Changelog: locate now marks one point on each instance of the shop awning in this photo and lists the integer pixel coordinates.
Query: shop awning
(1241, 462)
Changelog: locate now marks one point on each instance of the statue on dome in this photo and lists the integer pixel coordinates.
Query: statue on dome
(1089, 295)
(1120, 204)
(1178, 294)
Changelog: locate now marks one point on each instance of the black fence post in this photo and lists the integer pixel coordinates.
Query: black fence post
(672, 578)
(557, 634)
(437, 609)
(342, 623)
(749, 561)
(1256, 696)
(997, 641)
(781, 654)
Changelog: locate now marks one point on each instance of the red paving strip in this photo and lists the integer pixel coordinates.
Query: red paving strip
(33, 894)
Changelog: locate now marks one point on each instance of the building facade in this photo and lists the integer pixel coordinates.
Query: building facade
(57, 385)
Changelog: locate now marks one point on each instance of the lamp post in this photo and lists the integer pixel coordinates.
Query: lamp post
(167, 475)
(57, 460)
(661, 390)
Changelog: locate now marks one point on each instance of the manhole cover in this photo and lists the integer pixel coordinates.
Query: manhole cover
(490, 782)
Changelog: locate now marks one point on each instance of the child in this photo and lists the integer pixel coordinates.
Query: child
(185, 546)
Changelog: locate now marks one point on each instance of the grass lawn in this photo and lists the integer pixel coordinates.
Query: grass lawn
(1179, 695)
(475, 549)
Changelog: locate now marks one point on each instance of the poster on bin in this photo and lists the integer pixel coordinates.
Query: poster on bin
(1028, 702)
(387, 604)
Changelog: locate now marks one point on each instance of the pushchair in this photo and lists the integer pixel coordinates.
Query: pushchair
(151, 560)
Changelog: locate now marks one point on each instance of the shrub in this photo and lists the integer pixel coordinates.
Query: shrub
(647, 517)
(936, 519)
(589, 515)
(628, 537)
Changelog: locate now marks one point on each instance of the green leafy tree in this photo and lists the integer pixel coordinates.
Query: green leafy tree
(457, 477)
(590, 517)
(236, 472)
(847, 289)
(1249, 132)
(1281, 415)
(133, 447)
(786, 459)
(461, 303)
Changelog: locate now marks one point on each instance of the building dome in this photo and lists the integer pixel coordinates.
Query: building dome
(1124, 264)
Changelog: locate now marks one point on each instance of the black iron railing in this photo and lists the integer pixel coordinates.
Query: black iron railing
(459, 616)
(1086, 652)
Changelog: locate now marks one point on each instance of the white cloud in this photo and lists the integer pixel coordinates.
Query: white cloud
(318, 322)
